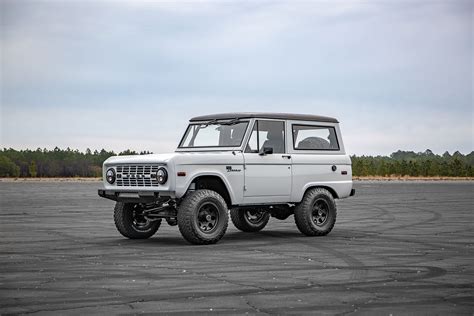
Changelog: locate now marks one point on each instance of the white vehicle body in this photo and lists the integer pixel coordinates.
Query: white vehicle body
(250, 178)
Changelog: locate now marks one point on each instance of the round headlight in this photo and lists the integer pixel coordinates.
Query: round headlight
(161, 175)
(110, 176)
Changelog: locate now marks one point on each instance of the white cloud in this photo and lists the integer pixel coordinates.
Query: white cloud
(391, 72)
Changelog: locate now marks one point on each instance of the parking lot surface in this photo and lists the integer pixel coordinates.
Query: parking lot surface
(397, 247)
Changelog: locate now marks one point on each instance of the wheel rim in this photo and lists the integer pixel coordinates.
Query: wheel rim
(254, 216)
(320, 212)
(208, 217)
(139, 221)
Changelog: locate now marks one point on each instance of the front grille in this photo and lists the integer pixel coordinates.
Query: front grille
(137, 175)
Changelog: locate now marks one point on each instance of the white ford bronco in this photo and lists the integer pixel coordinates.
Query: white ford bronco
(256, 165)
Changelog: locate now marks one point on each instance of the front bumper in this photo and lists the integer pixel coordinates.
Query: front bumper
(132, 197)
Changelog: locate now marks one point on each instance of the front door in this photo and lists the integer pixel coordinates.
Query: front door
(267, 166)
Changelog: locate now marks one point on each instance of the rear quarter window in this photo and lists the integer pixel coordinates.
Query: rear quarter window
(312, 137)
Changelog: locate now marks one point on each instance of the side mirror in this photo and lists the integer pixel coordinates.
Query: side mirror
(265, 151)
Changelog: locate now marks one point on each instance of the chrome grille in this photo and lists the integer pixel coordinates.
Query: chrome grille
(137, 175)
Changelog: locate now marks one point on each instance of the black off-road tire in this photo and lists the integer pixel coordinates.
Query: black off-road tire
(249, 220)
(130, 224)
(203, 217)
(316, 214)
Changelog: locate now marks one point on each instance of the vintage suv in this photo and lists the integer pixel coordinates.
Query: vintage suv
(256, 165)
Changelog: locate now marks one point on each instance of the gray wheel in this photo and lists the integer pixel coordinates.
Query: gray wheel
(316, 214)
(249, 220)
(202, 217)
(131, 223)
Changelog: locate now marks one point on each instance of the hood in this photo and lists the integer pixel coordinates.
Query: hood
(151, 158)
(178, 158)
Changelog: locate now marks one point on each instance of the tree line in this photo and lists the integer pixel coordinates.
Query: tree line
(409, 163)
(73, 163)
(55, 163)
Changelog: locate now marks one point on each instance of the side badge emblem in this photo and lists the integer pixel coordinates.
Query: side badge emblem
(230, 169)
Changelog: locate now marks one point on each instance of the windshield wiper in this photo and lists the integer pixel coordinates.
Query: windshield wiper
(231, 122)
(215, 122)
(211, 122)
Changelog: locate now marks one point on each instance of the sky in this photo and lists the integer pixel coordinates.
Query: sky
(129, 74)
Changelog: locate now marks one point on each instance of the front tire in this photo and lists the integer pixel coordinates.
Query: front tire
(316, 214)
(203, 217)
(249, 220)
(131, 223)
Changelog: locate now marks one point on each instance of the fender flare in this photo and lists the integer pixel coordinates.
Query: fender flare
(219, 175)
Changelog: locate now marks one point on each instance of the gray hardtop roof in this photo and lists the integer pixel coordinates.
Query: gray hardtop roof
(281, 116)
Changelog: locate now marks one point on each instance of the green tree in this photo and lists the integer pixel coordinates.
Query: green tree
(382, 168)
(32, 169)
(8, 168)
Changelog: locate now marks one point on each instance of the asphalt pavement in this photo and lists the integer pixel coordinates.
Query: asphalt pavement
(396, 248)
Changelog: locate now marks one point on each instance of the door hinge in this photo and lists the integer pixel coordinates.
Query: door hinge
(245, 188)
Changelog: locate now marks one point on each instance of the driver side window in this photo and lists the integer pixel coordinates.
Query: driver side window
(267, 134)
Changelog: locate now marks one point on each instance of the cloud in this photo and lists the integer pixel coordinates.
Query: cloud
(400, 61)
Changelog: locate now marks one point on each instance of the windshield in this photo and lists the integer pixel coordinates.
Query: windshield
(214, 134)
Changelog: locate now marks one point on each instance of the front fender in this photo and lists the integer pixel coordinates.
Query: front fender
(233, 180)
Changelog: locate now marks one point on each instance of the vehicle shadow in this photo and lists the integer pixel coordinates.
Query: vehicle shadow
(230, 238)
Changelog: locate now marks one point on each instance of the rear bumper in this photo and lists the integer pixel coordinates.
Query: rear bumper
(133, 197)
(353, 192)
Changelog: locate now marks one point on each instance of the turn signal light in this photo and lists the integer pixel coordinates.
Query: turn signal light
(181, 174)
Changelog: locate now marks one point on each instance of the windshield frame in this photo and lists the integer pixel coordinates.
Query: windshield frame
(214, 122)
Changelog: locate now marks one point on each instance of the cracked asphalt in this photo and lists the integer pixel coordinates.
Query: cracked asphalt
(397, 248)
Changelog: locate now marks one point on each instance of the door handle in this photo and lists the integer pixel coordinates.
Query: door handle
(286, 156)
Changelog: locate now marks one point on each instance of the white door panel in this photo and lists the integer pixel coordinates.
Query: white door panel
(268, 175)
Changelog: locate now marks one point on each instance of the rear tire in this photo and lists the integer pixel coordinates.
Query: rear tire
(131, 223)
(203, 217)
(249, 220)
(316, 214)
